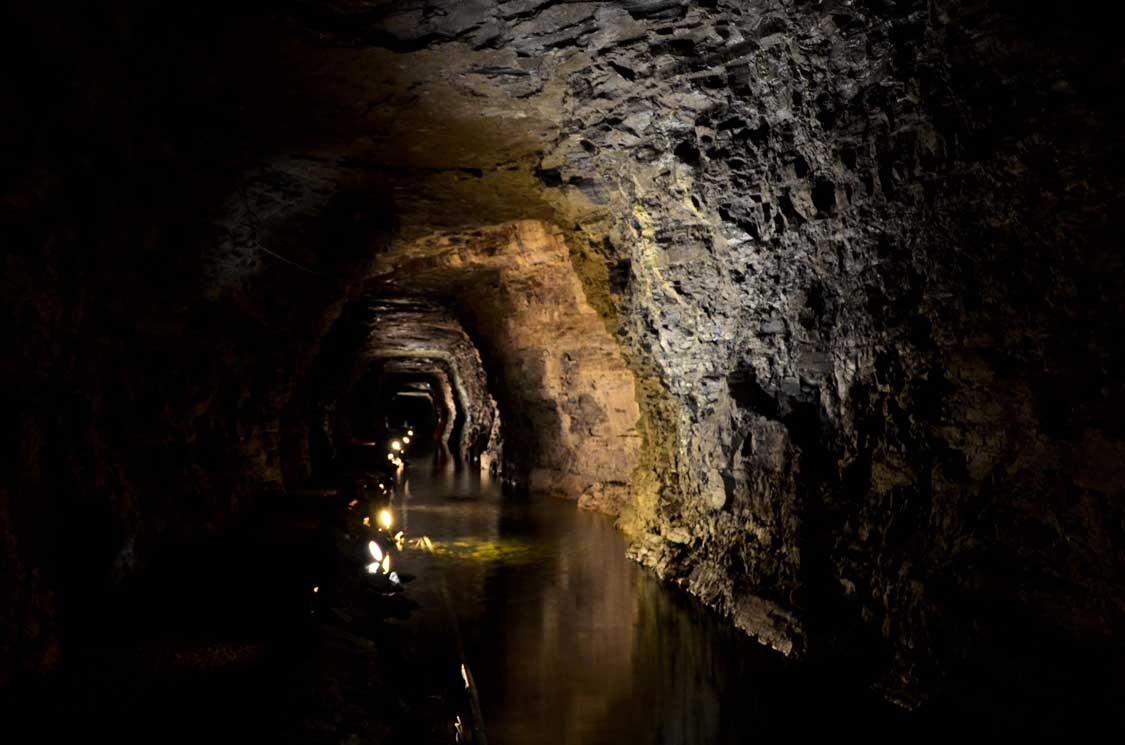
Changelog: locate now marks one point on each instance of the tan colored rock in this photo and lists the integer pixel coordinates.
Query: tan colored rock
(564, 390)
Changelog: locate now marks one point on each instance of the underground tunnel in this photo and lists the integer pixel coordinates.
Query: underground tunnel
(524, 371)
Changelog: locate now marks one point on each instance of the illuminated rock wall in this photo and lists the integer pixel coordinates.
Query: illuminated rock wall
(856, 264)
(566, 397)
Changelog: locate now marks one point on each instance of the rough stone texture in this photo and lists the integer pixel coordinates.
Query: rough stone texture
(431, 337)
(440, 388)
(150, 345)
(564, 391)
(863, 259)
(885, 349)
(373, 338)
(814, 224)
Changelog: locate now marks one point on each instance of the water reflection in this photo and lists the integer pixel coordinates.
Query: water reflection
(568, 641)
(282, 636)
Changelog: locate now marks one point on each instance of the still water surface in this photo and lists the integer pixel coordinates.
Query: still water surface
(571, 643)
(568, 642)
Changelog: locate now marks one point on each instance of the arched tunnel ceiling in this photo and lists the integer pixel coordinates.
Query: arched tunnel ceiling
(425, 337)
(439, 389)
(861, 257)
(567, 397)
(399, 335)
(522, 112)
(450, 140)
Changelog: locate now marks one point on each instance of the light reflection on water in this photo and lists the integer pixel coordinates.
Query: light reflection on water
(568, 641)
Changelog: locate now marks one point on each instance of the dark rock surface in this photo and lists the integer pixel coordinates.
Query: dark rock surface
(863, 259)
(373, 338)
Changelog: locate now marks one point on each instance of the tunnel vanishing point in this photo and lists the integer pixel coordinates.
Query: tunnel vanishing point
(822, 300)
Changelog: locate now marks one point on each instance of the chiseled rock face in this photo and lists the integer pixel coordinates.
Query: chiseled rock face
(861, 258)
(849, 250)
(375, 337)
(566, 395)
(435, 340)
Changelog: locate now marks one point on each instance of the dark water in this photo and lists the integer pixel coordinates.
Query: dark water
(567, 641)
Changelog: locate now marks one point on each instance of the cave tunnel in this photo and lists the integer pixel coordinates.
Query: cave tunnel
(415, 368)
(521, 371)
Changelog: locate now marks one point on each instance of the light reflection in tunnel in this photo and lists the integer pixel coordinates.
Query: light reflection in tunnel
(380, 567)
(578, 638)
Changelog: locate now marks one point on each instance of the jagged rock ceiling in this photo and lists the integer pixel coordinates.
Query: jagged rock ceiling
(435, 342)
(857, 261)
(565, 393)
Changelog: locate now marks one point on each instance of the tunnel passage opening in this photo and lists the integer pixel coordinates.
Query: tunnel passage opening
(413, 410)
(497, 320)
(566, 398)
(387, 365)
(393, 398)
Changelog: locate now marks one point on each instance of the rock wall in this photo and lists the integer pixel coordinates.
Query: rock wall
(151, 333)
(869, 249)
(381, 335)
(862, 259)
(566, 398)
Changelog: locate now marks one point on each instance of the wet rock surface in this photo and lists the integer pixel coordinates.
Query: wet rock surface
(861, 258)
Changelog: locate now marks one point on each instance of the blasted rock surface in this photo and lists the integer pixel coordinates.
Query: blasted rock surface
(862, 259)
(565, 393)
(856, 245)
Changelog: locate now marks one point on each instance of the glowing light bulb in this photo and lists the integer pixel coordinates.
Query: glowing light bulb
(385, 518)
(316, 589)
(409, 433)
(386, 563)
(406, 439)
(396, 445)
(390, 456)
(376, 552)
(367, 522)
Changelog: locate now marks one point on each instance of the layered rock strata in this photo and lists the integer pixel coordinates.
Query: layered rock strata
(564, 392)
(861, 259)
